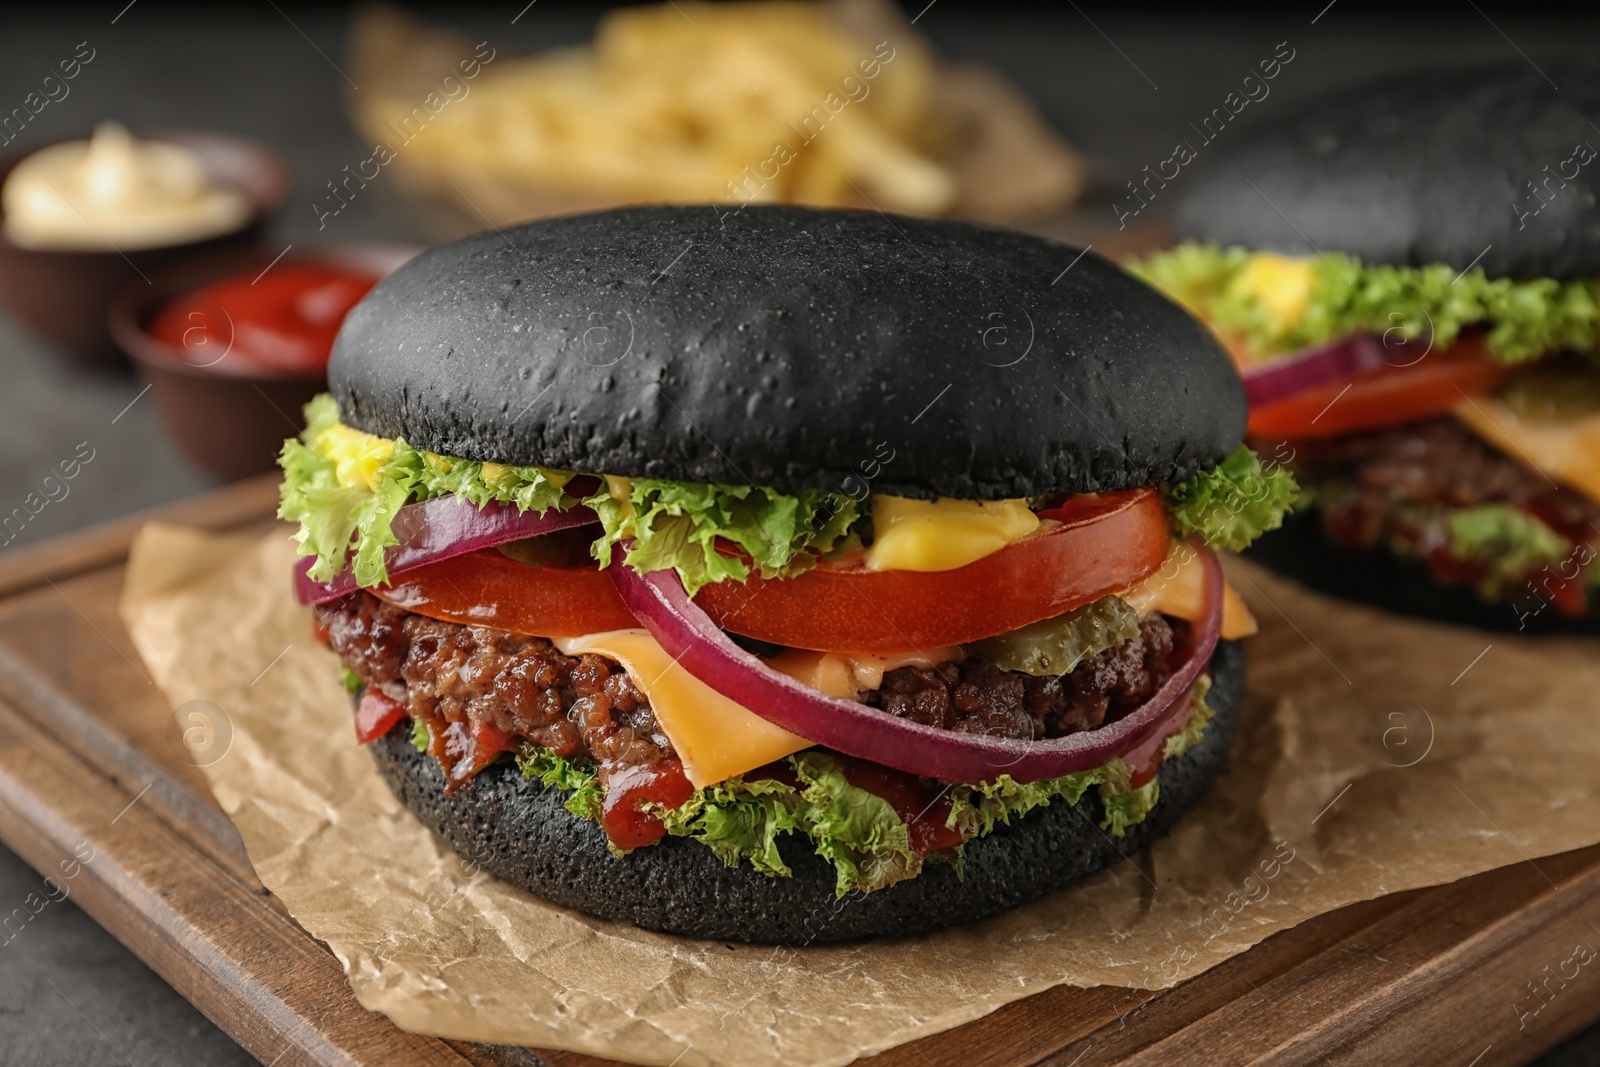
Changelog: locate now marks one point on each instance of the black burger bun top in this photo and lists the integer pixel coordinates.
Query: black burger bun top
(1426, 168)
(785, 347)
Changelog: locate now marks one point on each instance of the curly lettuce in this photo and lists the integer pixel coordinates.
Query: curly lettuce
(1266, 304)
(742, 819)
(1510, 542)
(857, 831)
(977, 809)
(678, 525)
(343, 489)
(1232, 504)
(1512, 550)
(577, 779)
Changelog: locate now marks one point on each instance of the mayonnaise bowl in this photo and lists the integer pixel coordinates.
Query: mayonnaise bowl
(80, 219)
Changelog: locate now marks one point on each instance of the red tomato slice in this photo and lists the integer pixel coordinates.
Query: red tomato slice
(1388, 397)
(1105, 542)
(376, 715)
(485, 588)
(1101, 543)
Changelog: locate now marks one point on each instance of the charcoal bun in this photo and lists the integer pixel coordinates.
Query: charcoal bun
(518, 830)
(1430, 167)
(790, 348)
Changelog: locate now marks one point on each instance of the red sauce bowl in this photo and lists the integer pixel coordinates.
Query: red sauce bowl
(229, 412)
(63, 295)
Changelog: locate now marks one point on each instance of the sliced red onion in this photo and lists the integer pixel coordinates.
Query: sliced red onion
(693, 640)
(1335, 361)
(440, 529)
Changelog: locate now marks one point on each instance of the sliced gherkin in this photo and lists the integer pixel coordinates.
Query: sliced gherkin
(1056, 646)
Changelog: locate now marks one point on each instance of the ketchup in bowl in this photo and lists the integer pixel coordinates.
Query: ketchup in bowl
(282, 321)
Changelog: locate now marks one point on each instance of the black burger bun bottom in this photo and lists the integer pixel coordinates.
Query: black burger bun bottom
(518, 831)
(1302, 550)
(797, 340)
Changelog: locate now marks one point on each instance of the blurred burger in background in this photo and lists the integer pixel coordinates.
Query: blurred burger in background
(1406, 274)
(838, 104)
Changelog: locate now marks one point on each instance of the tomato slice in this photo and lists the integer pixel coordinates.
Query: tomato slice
(486, 588)
(1388, 397)
(1103, 543)
(1099, 543)
(376, 715)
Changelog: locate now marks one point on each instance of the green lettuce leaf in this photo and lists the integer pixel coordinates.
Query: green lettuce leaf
(334, 518)
(1190, 735)
(420, 738)
(677, 525)
(578, 779)
(976, 810)
(1232, 504)
(1123, 804)
(1058, 645)
(350, 680)
(740, 820)
(1524, 318)
(1513, 546)
(1511, 542)
(857, 831)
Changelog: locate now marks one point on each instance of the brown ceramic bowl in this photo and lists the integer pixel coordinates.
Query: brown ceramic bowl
(63, 295)
(230, 417)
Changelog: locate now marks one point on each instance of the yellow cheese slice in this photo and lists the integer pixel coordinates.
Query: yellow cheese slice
(1566, 451)
(714, 737)
(941, 535)
(1175, 588)
(356, 455)
(1282, 285)
(845, 674)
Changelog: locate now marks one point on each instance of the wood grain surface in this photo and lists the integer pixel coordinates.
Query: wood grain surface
(1448, 975)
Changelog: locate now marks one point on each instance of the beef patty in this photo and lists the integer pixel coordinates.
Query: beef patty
(586, 706)
(977, 697)
(1436, 462)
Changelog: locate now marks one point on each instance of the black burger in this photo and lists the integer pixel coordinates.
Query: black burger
(1409, 276)
(788, 576)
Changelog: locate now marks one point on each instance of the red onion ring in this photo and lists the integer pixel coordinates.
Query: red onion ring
(443, 528)
(690, 637)
(1337, 360)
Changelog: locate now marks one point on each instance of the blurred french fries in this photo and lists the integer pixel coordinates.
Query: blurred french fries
(827, 104)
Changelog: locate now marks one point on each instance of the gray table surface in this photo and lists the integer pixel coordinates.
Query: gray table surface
(1122, 88)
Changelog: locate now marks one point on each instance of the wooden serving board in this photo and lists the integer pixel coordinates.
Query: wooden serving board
(88, 762)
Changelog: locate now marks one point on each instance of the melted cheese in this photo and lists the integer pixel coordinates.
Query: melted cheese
(356, 455)
(1175, 588)
(714, 737)
(621, 490)
(941, 535)
(1567, 451)
(846, 674)
(1282, 285)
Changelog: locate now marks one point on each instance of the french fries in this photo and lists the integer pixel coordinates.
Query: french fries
(694, 102)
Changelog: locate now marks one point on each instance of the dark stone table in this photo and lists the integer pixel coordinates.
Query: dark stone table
(1123, 87)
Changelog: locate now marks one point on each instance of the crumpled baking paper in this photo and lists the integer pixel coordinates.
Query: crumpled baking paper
(1376, 755)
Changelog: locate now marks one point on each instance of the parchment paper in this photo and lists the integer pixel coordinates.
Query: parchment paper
(1375, 755)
